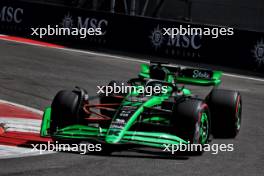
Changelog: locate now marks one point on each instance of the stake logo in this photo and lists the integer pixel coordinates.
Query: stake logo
(200, 74)
(258, 52)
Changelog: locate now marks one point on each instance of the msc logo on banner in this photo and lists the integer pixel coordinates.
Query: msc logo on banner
(10, 14)
(69, 22)
(180, 45)
(258, 52)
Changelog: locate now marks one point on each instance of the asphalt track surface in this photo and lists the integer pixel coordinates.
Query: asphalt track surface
(31, 75)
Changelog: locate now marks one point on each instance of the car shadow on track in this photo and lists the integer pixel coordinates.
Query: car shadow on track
(146, 154)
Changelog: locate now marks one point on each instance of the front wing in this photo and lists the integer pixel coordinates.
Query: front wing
(91, 133)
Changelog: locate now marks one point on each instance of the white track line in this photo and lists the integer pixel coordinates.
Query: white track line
(243, 77)
(147, 61)
(21, 124)
(130, 59)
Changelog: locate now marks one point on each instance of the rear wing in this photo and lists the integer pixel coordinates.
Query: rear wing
(201, 77)
(195, 76)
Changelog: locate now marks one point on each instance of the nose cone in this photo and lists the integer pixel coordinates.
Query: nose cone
(112, 140)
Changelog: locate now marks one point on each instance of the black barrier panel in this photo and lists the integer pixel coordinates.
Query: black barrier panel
(18, 18)
(244, 49)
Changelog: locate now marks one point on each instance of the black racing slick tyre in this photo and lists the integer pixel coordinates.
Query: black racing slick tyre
(65, 109)
(226, 111)
(192, 122)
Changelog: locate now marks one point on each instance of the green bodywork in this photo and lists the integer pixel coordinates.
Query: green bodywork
(114, 135)
(122, 134)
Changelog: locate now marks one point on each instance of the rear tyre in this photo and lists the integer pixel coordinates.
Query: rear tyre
(192, 123)
(226, 110)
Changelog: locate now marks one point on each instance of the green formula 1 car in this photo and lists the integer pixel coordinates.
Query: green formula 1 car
(171, 116)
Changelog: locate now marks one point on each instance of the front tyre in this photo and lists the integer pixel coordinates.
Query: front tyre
(66, 109)
(192, 122)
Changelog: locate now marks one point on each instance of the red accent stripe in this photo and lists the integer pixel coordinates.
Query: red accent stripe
(237, 103)
(97, 119)
(30, 41)
(8, 110)
(22, 139)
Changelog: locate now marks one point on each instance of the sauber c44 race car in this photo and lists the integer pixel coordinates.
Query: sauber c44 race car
(173, 117)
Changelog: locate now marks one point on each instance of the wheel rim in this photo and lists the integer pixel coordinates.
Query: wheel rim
(204, 128)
